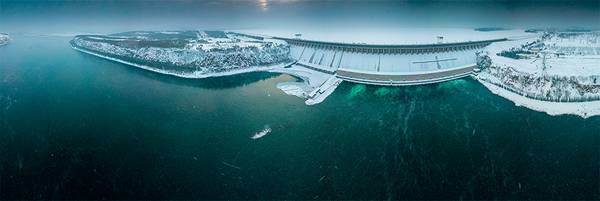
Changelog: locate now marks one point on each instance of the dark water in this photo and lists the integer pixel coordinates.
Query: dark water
(74, 126)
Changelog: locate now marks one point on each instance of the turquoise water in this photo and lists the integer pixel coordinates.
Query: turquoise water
(74, 126)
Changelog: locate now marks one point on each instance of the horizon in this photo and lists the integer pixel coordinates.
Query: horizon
(119, 16)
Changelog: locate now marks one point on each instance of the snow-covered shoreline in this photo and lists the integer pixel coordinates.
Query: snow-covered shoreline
(194, 75)
(312, 80)
(555, 88)
(582, 109)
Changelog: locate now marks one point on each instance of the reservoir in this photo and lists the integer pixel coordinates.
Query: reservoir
(75, 126)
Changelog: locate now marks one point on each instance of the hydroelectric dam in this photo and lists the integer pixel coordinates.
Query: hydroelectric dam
(325, 64)
(394, 65)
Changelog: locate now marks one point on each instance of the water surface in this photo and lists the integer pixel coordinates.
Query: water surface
(74, 126)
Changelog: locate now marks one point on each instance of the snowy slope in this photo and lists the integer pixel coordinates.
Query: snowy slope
(582, 109)
(186, 53)
(562, 69)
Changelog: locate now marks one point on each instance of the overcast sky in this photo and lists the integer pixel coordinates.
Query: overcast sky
(122, 15)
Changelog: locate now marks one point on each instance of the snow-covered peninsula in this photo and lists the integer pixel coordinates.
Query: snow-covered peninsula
(555, 72)
(4, 38)
(190, 54)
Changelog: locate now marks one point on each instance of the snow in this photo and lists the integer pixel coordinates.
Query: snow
(330, 60)
(111, 39)
(211, 56)
(569, 65)
(567, 81)
(316, 86)
(312, 78)
(189, 75)
(382, 36)
(169, 32)
(581, 40)
(202, 56)
(582, 109)
(215, 44)
(319, 94)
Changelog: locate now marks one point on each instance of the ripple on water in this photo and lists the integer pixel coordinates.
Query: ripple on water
(357, 90)
(386, 91)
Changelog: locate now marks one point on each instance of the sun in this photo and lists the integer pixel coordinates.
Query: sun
(263, 5)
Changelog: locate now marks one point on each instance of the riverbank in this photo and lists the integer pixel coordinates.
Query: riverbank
(583, 109)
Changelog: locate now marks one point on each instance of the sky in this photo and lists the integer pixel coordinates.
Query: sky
(32, 16)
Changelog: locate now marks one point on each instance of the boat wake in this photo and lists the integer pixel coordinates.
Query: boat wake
(261, 133)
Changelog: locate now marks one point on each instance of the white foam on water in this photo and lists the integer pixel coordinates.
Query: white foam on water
(298, 89)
